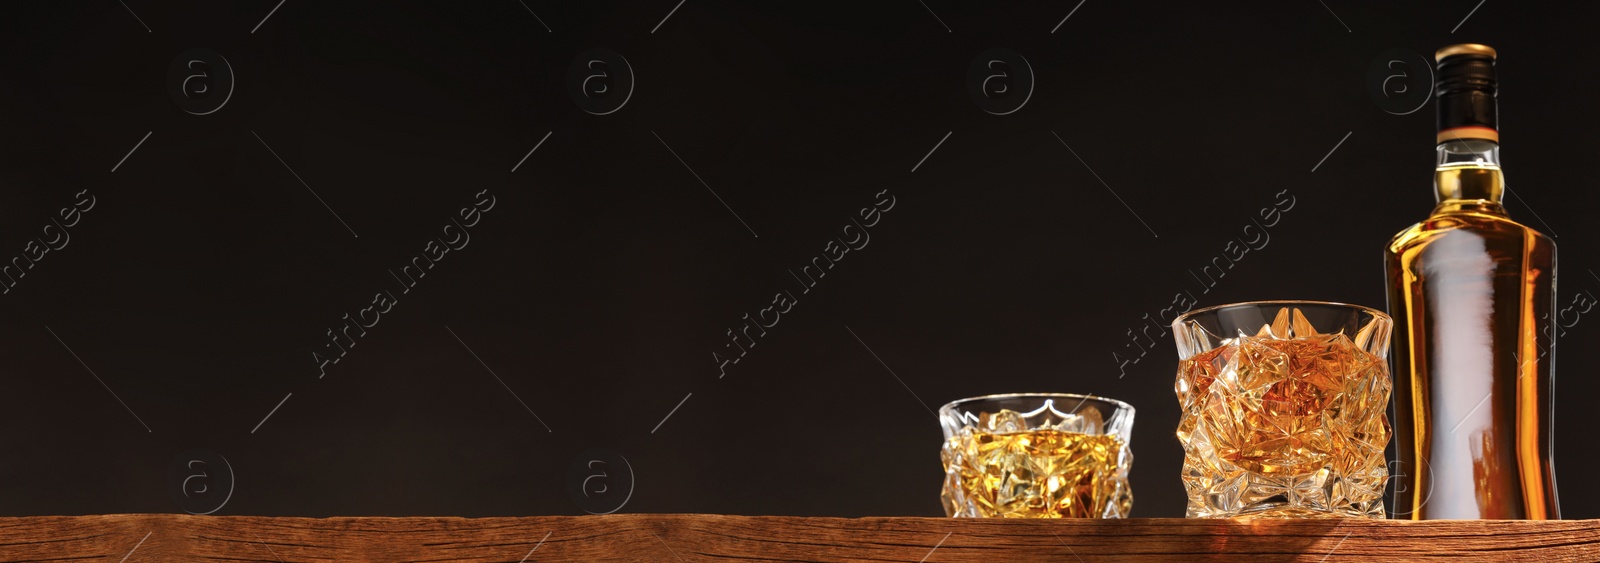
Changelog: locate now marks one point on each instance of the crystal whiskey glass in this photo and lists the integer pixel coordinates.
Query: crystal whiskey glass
(1037, 456)
(1285, 409)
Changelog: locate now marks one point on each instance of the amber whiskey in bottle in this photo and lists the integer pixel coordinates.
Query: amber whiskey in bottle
(1475, 293)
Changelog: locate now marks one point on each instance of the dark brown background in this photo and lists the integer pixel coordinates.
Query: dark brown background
(604, 279)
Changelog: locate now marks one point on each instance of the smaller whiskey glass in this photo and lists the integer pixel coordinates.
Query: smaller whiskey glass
(1045, 455)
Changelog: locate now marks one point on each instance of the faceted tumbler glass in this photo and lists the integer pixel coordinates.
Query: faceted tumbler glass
(1051, 455)
(1285, 409)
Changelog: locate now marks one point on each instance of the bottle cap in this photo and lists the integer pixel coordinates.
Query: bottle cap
(1465, 91)
(1463, 49)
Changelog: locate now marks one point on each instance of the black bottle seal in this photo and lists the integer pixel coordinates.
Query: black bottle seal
(1465, 90)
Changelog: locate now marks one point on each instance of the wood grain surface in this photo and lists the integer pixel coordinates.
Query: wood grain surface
(133, 538)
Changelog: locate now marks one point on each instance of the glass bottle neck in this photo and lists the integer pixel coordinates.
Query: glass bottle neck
(1468, 177)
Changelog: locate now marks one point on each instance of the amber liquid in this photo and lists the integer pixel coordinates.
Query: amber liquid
(1284, 427)
(1036, 474)
(1474, 376)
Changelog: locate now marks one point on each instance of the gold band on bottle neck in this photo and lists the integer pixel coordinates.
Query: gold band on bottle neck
(1455, 133)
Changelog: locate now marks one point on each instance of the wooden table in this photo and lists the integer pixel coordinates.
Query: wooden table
(133, 538)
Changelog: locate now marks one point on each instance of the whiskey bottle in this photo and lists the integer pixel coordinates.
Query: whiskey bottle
(1475, 292)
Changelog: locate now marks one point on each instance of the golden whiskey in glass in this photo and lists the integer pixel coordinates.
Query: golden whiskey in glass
(1285, 409)
(1037, 456)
